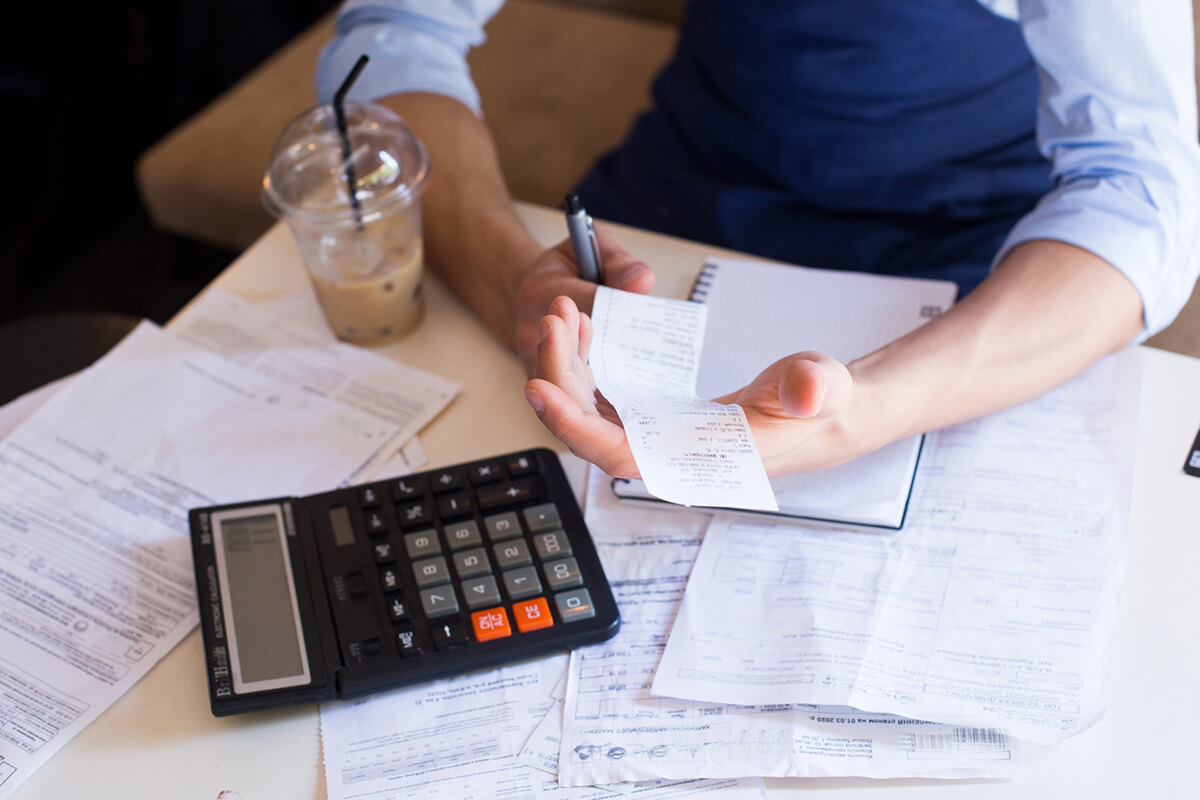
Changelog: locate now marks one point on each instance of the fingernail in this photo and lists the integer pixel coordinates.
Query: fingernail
(534, 398)
(543, 331)
(634, 273)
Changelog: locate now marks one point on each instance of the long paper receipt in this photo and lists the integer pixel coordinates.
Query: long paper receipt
(644, 357)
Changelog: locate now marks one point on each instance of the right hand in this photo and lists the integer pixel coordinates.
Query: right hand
(555, 274)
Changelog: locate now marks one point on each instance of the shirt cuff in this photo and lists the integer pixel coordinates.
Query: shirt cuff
(402, 60)
(1115, 217)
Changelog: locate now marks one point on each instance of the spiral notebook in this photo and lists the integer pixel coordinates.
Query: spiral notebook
(759, 312)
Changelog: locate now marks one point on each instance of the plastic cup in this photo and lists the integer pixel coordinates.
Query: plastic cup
(365, 258)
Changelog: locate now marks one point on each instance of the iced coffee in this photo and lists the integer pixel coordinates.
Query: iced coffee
(352, 201)
(385, 303)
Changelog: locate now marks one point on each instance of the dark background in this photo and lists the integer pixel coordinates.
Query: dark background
(86, 86)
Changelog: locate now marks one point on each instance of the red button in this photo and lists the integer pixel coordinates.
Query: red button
(532, 615)
(491, 623)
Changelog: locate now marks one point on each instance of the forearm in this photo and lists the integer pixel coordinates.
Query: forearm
(473, 237)
(1047, 312)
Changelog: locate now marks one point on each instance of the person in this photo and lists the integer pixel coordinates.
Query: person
(1041, 153)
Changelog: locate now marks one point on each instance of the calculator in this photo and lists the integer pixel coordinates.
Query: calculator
(396, 582)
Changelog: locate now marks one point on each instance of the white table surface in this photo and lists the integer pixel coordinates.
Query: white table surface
(160, 741)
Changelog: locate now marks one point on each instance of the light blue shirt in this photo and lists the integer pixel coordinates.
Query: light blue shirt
(1116, 118)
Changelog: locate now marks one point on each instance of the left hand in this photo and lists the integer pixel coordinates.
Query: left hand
(800, 408)
(555, 273)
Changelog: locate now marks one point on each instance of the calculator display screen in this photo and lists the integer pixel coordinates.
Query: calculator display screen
(265, 638)
(343, 531)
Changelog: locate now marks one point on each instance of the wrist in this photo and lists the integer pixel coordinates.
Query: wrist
(879, 413)
(483, 254)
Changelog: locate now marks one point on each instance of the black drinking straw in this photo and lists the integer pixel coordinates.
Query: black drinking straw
(339, 112)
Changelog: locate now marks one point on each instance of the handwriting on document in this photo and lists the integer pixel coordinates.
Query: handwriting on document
(996, 606)
(644, 357)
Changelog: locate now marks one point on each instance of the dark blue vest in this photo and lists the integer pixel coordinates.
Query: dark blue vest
(892, 136)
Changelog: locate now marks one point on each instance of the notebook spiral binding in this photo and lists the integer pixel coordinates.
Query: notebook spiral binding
(703, 281)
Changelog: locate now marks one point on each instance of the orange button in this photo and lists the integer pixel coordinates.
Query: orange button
(532, 614)
(491, 623)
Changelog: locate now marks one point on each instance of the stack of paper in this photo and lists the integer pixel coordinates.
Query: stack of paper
(97, 476)
(946, 650)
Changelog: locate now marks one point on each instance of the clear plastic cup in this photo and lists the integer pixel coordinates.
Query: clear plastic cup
(366, 260)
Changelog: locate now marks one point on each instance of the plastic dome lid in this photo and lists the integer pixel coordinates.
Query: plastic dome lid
(308, 179)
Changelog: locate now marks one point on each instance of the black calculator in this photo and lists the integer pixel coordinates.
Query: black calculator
(397, 582)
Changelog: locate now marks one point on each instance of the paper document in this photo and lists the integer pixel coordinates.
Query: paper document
(339, 375)
(96, 581)
(459, 738)
(644, 356)
(301, 309)
(615, 729)
(995, 607)
(14, 412)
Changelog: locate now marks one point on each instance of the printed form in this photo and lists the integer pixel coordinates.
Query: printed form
(460, 738)
(425, 395)
(994, 607)
(644, 357)
(96, 579)
(342, 375)
(615, 729)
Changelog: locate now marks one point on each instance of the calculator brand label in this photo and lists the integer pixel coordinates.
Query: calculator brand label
(214, 602)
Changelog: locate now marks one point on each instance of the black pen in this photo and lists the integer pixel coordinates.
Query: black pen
(583, 241)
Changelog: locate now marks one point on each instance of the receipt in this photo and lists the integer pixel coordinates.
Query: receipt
(644, 357)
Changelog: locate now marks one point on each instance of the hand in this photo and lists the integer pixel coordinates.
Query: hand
(555, 273)
(799, 408)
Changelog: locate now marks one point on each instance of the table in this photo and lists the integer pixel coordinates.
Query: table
(160, 741)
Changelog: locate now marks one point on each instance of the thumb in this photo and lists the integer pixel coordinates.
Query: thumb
(802, 388)
(812, 384)
(621, 269)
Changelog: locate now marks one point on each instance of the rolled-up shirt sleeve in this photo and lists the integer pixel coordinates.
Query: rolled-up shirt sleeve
(414, 46)
(1117, 119)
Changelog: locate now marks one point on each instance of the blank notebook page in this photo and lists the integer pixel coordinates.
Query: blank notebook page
(758, 313)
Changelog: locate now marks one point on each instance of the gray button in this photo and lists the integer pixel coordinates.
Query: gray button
(542, 518)
(481, 592)
(463, 534)
(551, 545)
(514, 553)
(502, 526)
(562, 574)
(574, 605)
(439, 601)
(469, 563)
(431, 571)
(421, 544)
(521, 583)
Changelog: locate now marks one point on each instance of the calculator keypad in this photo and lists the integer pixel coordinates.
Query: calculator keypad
(467, 559)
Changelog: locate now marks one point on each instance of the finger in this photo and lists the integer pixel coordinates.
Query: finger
(585, 335)
(564, 308)
(558, 362)
(802, 388)
(621, 269)
(588, 436)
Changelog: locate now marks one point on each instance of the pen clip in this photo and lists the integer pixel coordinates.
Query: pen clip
(594, 243)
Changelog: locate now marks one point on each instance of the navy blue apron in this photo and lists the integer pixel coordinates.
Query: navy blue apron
(890, 136)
